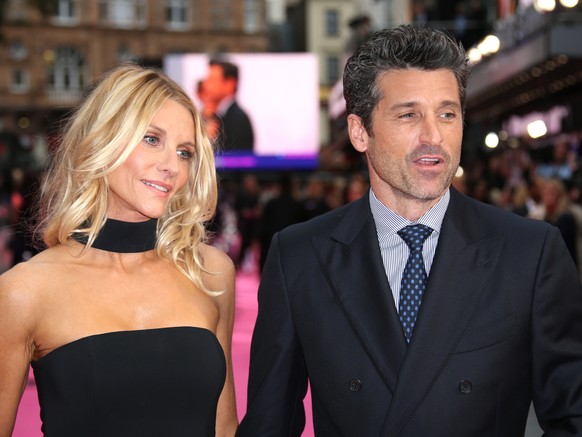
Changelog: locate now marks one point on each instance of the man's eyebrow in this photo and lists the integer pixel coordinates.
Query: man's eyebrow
(403, 105)
(454, 103)
(413, 103)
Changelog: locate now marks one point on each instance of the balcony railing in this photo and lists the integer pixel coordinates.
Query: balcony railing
(64, 96)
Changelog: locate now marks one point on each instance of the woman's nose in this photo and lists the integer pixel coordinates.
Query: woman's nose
(169, 163)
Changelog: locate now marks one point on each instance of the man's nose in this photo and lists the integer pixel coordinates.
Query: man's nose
(431, 132)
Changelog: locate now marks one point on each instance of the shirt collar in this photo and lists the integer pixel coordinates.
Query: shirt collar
(388, 222)
(224, 105)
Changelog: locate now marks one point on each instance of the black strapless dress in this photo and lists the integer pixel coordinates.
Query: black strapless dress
(156, 382)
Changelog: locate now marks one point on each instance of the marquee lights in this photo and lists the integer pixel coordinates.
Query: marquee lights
(550, 5)
(492, 140)
(537, 129)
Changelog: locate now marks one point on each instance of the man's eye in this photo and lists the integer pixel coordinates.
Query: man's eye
(408, 115)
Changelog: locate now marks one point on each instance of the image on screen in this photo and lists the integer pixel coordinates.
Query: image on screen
(271, 118)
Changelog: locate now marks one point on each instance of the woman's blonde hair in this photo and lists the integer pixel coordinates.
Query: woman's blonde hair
(98, 138)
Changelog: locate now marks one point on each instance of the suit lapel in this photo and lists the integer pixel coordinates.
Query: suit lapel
(353, 265)
(463, 264)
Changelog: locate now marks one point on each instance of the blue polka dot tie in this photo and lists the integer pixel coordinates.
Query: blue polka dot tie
(414, 276)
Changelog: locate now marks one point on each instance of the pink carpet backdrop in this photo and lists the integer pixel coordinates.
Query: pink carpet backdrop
(28, 420)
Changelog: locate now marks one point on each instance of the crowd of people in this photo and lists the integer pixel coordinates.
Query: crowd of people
(254, 206)
(542, 182)
(249, 212)
(17, 193)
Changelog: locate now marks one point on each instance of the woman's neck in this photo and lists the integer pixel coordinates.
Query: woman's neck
(124, 237)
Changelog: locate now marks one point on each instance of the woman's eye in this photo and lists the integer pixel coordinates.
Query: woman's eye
(185, 154)
(151, 140)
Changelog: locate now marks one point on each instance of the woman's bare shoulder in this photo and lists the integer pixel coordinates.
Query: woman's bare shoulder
(21, 290)
(220, 271)
(24, 273)
(38, 272)
(215, 260)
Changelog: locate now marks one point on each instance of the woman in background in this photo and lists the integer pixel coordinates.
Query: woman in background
(127, 316)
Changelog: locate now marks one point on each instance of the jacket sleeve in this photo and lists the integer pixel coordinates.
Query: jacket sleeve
(278, 377)
(557, 341)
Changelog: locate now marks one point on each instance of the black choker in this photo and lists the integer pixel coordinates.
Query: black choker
(124, 237)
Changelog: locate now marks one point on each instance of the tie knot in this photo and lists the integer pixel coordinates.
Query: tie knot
(414, 235)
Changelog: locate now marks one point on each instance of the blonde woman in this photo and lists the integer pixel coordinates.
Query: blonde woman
(127, 315)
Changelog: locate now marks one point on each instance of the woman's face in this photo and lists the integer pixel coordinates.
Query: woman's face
(142, 187)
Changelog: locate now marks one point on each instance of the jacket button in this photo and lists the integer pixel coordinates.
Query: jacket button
(355, 384)
(465, 386)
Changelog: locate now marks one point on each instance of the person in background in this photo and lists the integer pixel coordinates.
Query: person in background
(356, 187)
(562, 163)
(127, 315)
(415, 310)
(313, 199)
(557, 206)
(279, 212)
(208, 110)
(221, 86)
(248, 214)
(422, 14)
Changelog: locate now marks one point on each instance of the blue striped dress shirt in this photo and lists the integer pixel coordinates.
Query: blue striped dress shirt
(393, 248)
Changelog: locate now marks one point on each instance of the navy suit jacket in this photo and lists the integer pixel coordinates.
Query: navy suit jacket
(500, 324)
(237, 131)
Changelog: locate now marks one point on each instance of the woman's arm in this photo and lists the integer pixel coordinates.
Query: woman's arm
(16, 346)
(218, 262)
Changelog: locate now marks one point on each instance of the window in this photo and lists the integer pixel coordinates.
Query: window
(19, 81)
(177, 14)
(221, 15)
(197, 16)
(17, 50)
(66, 12)
(332, 69)
(123, 13)
(124, 54)
(332, 22)
(66, 75)
(251, 16)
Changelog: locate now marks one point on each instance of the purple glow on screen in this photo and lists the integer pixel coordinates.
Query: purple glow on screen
(266, 161)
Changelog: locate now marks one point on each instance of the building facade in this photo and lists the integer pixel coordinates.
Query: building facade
(51, 52)
(536, 75)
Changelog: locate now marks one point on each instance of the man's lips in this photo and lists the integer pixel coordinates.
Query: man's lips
(429, 160)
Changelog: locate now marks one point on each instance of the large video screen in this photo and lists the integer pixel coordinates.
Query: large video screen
(271, 121)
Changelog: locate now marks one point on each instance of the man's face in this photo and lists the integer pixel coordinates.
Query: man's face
(216, 85)
(414, 146)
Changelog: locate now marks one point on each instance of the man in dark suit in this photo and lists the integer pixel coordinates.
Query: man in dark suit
(236, 130)
(497, 324)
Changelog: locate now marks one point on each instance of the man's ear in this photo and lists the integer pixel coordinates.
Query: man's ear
(358, 135)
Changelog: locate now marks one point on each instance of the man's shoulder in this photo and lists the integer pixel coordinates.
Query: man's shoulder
(323, 224)
(235, 110)
(495, 217)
